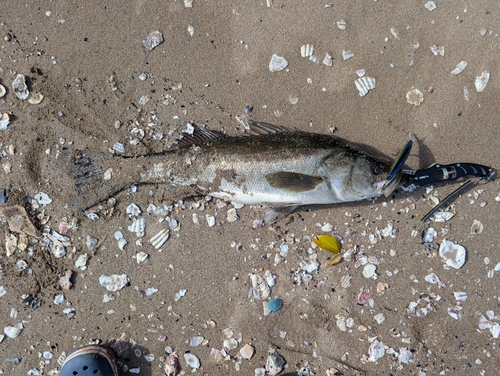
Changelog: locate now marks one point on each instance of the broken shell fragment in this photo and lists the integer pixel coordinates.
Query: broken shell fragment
(274, 363)
(341, 24)
(328, 61)
(159, 239)
(306, 50)
(35, 98)
(277, 63)
(460, 67)
(376, 351)
(4, 121)
(20, 87)
(482, 81)
(364, 85)
(453, 254)
(260, 288)
(477, 227)
(114, 282)
(415, 97)
(64, 280)
(3, 91)
(247, 351)
(152, 40)
(138, 226)
(13, 331)
(171, 365)
(369, 271)
(192, 361)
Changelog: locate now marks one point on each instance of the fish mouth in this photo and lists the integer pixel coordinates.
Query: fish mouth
(386, 187)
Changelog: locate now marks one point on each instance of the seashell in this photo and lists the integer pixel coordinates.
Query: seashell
(441, 217)
(247, 351)
(376, 351)
(306, 50)
(13, 331)
(3, 292)
(345, 281)
(159, 239)
(138, 226)
(196, 341)
(460, 296)
(10, 244)
(495, 330)
(4, 121)
(42, 198)
(81, 262)
(3, 91)
(432, 278)
(328, 61)
(118, 147)
(35, 98)
(275, 305)
(483, 323)
(108, 174)
(293, 99)
(360, 72)
(191, 30)
(453, 254)
(20, 87)
(369, 271)
(21, 265)
(114, 282)
(346, 55)
(455, 312)
(364, 85)
(192, 361)
(379, 318)
(274, 363)
(482, 81)
(210, 220)
(429, 235)
(216, 355)
(477, 227)
(188, 3)
(91, 243)
(230, 344)
(59, 299)
(364, 297)
(152, 40)
(260, 288)
(64, 280)
(171, 365)
(122, 243)
(232, 216)
(431, 5)
(415, 97)
(277, 63)
(460, 67)
(141, 257)
(437, 50)
(133, 209)
(341, 24)
(405, 355)
(341, 323)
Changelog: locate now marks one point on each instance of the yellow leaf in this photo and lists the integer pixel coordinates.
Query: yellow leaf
(334, 260)
(328, 243)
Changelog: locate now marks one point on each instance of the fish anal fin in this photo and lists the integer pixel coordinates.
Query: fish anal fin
(293, 182)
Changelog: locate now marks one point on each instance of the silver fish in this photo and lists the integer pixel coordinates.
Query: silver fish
(272, 165)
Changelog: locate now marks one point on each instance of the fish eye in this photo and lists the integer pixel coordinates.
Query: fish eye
(378, 167)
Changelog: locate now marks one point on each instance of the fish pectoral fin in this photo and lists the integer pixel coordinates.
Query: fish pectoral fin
(293, 181)
(273, 215)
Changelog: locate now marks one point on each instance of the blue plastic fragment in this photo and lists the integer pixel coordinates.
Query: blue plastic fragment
(275, 305)
(3, 196)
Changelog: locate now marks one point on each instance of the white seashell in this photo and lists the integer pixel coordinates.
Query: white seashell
(345, 281)
(2, 291)
(405, 355)
(460, 67)
(376, 351)
(260, 288)
(230, 344)
(482, 81)
(369, 271)
(59, 299)
(360, 72)
(455, 312)
(453, 254)
(118, 147)
(483, 323)
(277, 63)
(191, 30)
(35, 98)
(114, 282)
(138, 226)
(152, 40)
(210, 220)
(432, 278)
(42, 198)
(3, 91)
(293, 99)
(10, 244)
(13, 331)
(247, 351)
(232, 216)
(107, 174)
(159, 239)
(310, 266)
(20, 87)
(441, 217)
(196, 341)
(341, 24)
(4, 121)
(328, 61)
(306, 50)
(122, 243)
(364, 85)
(81, 262)
(415, 97)
(477, 227)
(346, 55)
(386, 232)
(188, 3)
(379, 318)
(192, 361)
(495, 330)
(133, 209)
(460, 296)
(141, 257)
(341, 323)
(274, 363)
(431, 5)
(271, 281)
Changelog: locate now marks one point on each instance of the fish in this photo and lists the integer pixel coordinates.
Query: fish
(270, 165)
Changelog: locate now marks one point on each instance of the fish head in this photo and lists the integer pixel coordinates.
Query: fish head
(358, 177)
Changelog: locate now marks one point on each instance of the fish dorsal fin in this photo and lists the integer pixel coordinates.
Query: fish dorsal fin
(257, 128)
(199, 136)
(293, 182)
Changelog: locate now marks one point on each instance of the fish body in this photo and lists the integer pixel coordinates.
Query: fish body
(274, 166)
